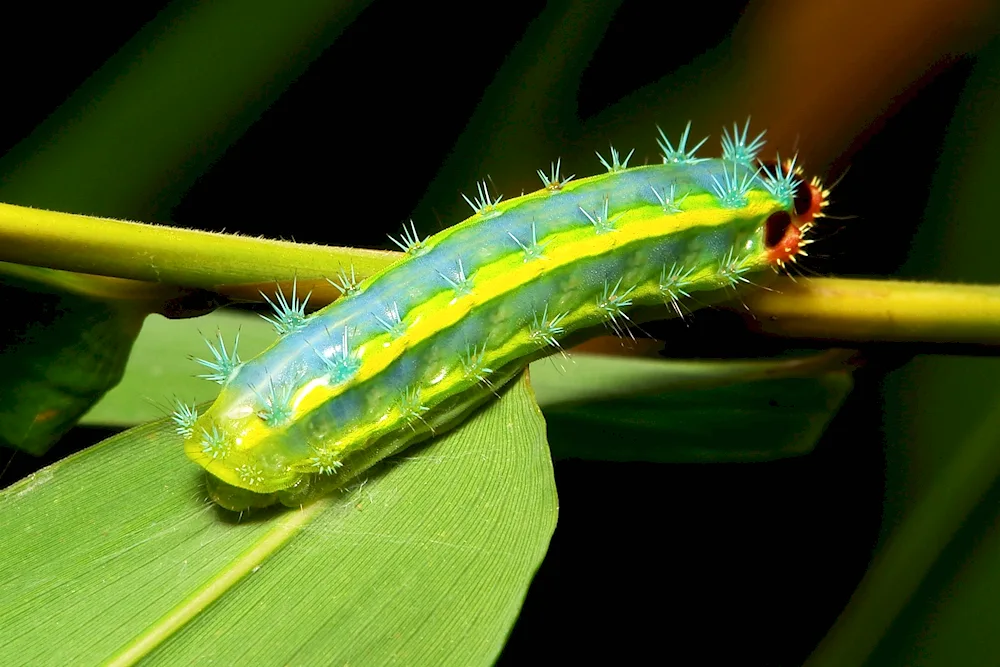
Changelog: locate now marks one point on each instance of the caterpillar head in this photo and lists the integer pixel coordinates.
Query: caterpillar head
(785, 231)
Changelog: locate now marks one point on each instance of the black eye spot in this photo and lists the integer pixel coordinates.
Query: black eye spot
(775, 227)
(803, 198)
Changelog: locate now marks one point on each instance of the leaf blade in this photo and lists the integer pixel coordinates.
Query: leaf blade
(478, 504)
(670, 411)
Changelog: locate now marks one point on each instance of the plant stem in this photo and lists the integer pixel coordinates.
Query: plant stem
(824, 309)
(161, 254)
(863, 311)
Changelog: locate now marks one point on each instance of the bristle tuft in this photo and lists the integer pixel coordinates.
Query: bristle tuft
(277, 404)
(224, 363)
(346, 283)
(612, 303)
(732, 192)
(532, 250)
(409, 241)
(552, 181)
(184, 416)
(460, 283)
(325, 461)
(668, 200)
(682, 154)
(474, 364)
(616, 164)
(484, 204)
(731, 270)
(735, 147)
(214, 443)
(289, 316)
(546, 330)
(783, 183)
(392, 322)
(340, 362)
(601, 220)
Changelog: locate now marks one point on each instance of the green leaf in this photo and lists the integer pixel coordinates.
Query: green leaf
(116, 552)
(161, 370)
(60, 351)
(623, 409)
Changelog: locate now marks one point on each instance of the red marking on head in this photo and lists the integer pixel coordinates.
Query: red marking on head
(782, 237)
(784, 231)
(816, 201)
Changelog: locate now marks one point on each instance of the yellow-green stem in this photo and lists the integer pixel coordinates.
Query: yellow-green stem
(849, 310)
(826, 309)
(168, 255)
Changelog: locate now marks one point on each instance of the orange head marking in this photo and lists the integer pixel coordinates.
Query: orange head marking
(782, 237)
(814, 198)
(784, 232)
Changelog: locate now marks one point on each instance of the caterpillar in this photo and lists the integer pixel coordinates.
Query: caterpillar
(416, 347)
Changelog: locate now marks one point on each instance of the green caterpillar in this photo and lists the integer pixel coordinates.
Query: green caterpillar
(416, 347)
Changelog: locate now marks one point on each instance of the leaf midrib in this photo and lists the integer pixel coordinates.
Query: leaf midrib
(284, 528)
